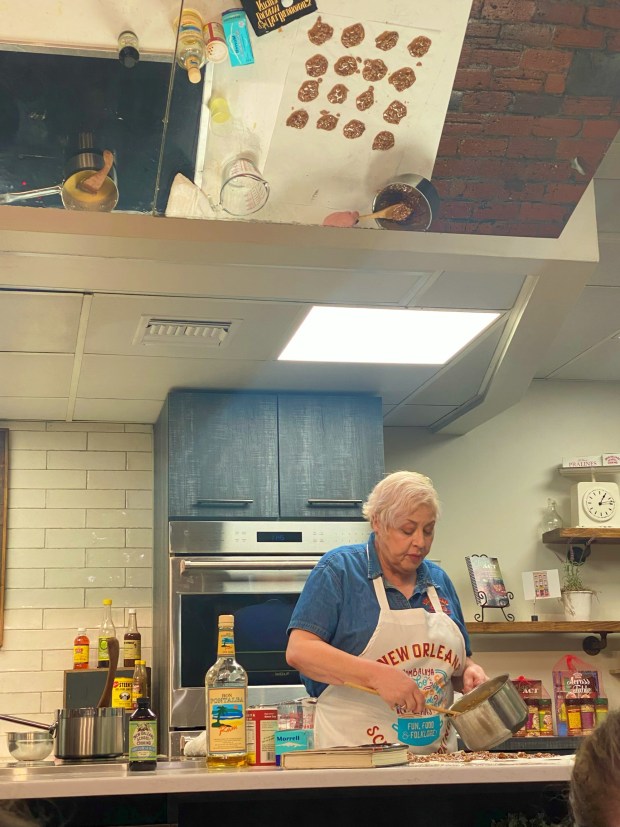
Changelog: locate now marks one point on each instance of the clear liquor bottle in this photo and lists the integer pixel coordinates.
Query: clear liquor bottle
(226, 688)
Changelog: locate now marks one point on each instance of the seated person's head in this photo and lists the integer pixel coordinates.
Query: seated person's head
(595, 781)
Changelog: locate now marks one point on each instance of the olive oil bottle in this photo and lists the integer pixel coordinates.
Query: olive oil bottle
(226, 689)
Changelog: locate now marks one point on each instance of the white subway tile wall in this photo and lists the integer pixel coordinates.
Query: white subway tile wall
(80, 517)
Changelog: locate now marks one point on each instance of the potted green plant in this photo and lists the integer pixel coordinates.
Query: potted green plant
(576, 597)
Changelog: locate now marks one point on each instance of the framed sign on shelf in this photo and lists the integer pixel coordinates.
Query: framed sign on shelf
(4, 491)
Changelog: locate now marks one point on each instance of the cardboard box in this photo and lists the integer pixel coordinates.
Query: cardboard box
(581, 462)
(612, 459)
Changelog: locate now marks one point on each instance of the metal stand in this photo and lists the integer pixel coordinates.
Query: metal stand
(482, 600)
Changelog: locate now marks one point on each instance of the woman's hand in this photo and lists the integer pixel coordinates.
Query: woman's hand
(398, 690)
(473, 676)
(348, 218)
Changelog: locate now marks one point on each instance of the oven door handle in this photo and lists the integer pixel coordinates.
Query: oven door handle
(245, 565)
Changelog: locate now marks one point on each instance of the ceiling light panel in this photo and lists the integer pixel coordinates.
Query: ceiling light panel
(386, 336)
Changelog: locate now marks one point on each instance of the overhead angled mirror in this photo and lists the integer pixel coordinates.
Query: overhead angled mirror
(4, 485)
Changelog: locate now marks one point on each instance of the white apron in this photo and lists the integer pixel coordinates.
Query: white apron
(430, 648)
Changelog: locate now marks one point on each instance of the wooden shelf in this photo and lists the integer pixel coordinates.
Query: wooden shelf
(530, 627)
(595, 535)
(596, 630)
(590, 471)
(614, 671)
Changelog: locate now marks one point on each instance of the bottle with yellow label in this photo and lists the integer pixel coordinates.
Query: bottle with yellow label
(190, 49)
(226, 686)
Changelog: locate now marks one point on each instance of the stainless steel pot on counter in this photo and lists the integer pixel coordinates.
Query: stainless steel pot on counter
(489, 714)
(86, 732)
(82, 733)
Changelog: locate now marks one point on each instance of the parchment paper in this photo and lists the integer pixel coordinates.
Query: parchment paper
(320, 165)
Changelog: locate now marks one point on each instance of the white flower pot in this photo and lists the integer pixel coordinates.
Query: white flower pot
(577, 605)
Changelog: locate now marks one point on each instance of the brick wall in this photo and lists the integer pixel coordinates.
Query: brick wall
(79, 530)
(538, 86)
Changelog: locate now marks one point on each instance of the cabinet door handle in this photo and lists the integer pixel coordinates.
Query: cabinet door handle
(223, 501)
(348, 503)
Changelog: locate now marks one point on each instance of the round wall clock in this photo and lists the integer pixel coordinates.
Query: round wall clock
(595, 504)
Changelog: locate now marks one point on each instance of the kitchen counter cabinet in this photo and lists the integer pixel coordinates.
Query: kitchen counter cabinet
(184, 793)
(265, 456)
(191, 777)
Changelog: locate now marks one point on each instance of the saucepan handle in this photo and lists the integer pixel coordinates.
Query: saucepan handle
(36, 724)
(9, 197)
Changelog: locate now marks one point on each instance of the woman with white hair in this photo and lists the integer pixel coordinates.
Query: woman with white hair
(381, 617)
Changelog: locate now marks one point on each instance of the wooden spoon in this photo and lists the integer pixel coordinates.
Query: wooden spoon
(395, 212)
(94, 182)
(439, 709)
(106, 695)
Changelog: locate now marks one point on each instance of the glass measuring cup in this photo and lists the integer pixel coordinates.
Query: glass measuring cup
(244, 190)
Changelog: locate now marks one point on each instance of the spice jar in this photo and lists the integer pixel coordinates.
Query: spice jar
(588, 721)
(532, 726)
(573, 715)
(545, 716)
(601, 708)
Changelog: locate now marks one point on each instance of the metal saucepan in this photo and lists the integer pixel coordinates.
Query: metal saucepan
(85, 732)
(489, 714)
(484, 718)
(80, 166)
(417, 193)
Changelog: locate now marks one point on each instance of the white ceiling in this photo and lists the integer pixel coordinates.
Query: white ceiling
(74, 293)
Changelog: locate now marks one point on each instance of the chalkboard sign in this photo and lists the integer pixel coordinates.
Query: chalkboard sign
(4, 487)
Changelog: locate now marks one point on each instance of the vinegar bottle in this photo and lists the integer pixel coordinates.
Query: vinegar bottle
(106, 630)
(81, 646)
(139, 686)
(226, 688)
(190, 53)
(132, 641)
(143, 738)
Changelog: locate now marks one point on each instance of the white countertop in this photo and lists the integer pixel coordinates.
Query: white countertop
(60, 781)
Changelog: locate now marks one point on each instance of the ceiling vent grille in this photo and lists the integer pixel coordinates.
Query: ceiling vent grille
(202, 333)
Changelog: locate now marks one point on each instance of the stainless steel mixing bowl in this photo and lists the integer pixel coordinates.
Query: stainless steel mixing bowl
(30, 746)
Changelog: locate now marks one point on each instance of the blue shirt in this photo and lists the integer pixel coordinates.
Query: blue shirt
(339, 605)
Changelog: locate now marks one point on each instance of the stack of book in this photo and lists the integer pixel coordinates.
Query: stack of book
(335, 758)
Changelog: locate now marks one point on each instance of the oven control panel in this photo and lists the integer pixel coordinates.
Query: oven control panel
(193, 537)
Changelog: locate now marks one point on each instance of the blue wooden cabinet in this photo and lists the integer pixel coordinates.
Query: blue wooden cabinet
(331, 454)
(238, 456)
(223, 455)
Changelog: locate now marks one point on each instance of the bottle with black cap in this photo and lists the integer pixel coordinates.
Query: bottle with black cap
(143, 738)
(128, 52)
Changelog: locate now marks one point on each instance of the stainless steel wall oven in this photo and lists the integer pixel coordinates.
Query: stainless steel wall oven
(253, 570)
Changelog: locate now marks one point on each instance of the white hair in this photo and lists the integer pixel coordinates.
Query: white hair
(400, 494)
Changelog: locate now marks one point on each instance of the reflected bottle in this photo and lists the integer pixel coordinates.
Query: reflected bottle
(191, 54)
(128, 51)
(551, 519)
